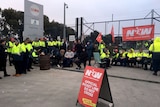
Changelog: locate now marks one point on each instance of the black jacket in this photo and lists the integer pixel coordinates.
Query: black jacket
(83, 56)
(3, 56)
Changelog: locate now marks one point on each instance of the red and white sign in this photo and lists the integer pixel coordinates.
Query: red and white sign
(35, 10)
(90, 86)
(138, 33)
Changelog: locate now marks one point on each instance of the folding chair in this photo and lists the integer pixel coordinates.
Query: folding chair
(97, 59)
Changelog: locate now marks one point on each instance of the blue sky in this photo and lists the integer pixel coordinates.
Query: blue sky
(91, 10)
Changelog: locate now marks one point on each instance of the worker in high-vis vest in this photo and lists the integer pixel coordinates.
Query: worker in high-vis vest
(101, 47)
(42, 45)
(29, 48)
(140, 57)
(155, 50)
(131, 58)
(147, 60)
(50, 45)
(17, 58)
(105, 57)
(10, 45)
(59, 44)
(25, 54)
(35, 44)
(123, 57)
(35, 56)
(54, 43)
(115, 57)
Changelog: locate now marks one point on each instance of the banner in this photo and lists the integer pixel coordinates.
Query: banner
(99, 37)
(138, 33)
(90, 86)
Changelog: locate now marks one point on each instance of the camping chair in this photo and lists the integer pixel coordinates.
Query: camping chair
(97, 59)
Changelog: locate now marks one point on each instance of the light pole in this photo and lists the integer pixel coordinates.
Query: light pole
(64, 26)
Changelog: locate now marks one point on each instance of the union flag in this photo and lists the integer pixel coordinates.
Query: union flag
(112, 33)
(99, 37)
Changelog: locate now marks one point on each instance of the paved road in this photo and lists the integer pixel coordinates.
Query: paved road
(59, 88)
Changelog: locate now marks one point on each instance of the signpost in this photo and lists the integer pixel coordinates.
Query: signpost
(94, 85)
(33, 20)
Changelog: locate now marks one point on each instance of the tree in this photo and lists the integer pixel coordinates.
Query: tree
(13, 19)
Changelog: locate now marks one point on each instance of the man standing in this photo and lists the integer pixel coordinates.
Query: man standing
(10, 45)
(155, 50)
(3, 58)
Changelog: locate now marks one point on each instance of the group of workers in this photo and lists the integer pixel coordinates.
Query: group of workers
(131, 58)
(22, 55)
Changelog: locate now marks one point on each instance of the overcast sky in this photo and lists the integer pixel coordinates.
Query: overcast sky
(91, 10)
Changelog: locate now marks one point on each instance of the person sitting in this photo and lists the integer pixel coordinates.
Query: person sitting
(131, 58)
(68, 58)
(147, 60)
(82, 58)
(35, 57)
(115, 57)
(105, 57)
(123, 58)
(140, 57)
(55, 57)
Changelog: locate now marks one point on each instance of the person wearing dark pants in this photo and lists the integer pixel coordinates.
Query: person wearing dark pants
(115, 57)
(25, 54)
(17, 58)
(3, 58)
(18, 67)
(29, 49)
(105, 57)
(82, 58)
(10, 45)
(123, 58)
(147, 60)
(131, 58)
(68, 58)
(89, 50)
(155, 50)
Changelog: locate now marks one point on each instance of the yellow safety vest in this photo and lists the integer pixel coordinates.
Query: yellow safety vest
(35, 44)
(131, 55)
(42, 43)
(155, 46)
(29, 47)
(50, 43)
(101, 47)
(22, 47)
(139, 54)
(10, 46)
(34, 54)
(16, 49)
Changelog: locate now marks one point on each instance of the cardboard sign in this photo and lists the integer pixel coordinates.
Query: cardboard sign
(91, 86)
(138, 33)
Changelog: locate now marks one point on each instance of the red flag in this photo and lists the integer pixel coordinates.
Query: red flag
(99, 37)
(112, 33)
